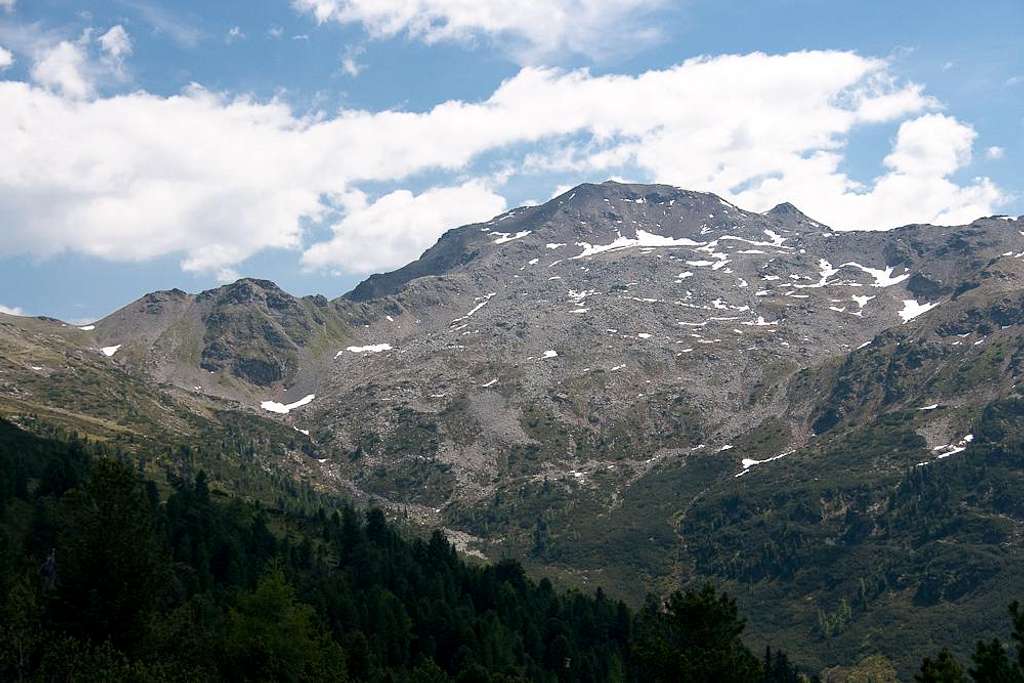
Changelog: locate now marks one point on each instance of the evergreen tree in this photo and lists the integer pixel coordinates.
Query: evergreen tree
(943, 669)
(110, 566)
(272, 636)
(20, 630)
(1017, 616)
(991, 664)
(695, 637)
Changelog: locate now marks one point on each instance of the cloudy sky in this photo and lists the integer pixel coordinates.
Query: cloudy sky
(150, 144)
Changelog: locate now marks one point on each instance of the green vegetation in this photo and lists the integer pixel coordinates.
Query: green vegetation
(992, 661)
(105, 575)
(102, 578)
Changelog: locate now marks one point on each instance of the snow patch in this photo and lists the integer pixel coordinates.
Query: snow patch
(883, 278)
(284, 409)
(825, 271)
(370, 348)
(477, 307)
(508, 237)
(952, 448)
(642, 239)
(109, 351)
(912, 309)
(751, 462)
(761, 322)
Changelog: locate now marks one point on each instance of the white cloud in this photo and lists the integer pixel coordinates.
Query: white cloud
(349, 61)
(64, 67)
(6, 59)
(917, 188)
(350, 66)
(11, 311)
(72, 68)
(530, 29)
(995, 153)
(226, 275)
(560, 190)
(400, 226)
(28, 39)
(116, 43)
(166, 22)
(217, 179)
(931, 145)
(7, 5)
(139, 176)
(234, 33)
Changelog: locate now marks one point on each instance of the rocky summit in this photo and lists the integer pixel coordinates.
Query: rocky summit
(627, 386)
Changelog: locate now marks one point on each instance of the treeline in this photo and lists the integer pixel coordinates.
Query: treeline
(105, 576)
(992, 661)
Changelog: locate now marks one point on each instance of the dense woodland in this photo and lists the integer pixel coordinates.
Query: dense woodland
(106, 575)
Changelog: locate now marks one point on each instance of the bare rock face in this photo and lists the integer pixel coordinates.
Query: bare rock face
(586, 337)
(654, 373)
(239, 341)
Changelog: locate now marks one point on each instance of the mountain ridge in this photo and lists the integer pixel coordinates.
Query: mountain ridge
(629, 384)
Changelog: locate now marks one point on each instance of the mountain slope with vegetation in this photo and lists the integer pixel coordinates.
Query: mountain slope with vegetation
(631, 386)
(103, 577)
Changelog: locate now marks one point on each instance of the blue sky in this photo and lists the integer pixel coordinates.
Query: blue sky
(151, 144)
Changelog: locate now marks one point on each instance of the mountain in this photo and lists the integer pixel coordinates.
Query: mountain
(635, 386)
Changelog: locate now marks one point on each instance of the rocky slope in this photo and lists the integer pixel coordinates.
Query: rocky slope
(632, 385)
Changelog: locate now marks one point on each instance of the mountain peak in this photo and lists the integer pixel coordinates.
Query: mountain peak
(246, 290)
(257, 283)
(787, 211)
(588, 213)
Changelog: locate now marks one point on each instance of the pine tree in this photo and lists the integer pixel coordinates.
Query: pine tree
(271, 636)
(111, 567)
(696, 637)
(993, 665)
(1017, 615)
(943, 669)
